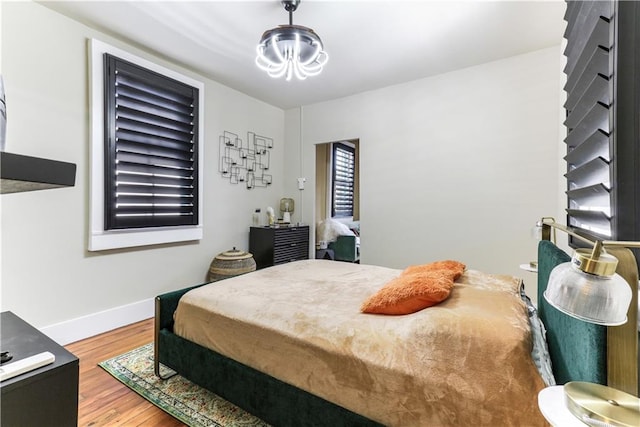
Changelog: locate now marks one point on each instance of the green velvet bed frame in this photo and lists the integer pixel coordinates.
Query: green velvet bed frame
(577, 349)
(272, 400)
(578, 352)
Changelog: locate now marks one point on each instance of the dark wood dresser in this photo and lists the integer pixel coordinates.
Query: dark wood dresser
(273, 246)
(45, 396)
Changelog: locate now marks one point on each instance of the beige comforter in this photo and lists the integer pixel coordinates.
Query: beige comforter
(464, 362)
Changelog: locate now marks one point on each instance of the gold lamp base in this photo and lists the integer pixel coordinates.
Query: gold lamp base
(604, 405)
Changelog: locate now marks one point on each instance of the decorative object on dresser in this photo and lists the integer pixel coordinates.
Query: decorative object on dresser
(255, 218)
(245, 162)
(287, 206)
(278, 245)
(46, 395)
(271, 216)
(230, 263)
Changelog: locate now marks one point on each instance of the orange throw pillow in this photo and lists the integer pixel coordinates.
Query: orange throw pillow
(409, 293)
(448, 265)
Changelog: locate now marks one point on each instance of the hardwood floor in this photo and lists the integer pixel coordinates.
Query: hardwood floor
(105, 401)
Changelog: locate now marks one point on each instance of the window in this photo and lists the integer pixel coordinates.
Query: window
(151, 163)
(146, 151)
(342, 180)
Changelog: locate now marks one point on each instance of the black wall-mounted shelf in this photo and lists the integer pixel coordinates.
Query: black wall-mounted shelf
(25, 173)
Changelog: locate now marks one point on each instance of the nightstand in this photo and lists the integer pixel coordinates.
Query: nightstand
(46, 396)
(551, 402)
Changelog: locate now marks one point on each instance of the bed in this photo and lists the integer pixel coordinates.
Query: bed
(465, 361)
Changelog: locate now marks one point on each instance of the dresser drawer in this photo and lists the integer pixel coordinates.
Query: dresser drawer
(290, 236)
(294, 252)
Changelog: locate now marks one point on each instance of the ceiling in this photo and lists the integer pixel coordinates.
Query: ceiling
(371, 44)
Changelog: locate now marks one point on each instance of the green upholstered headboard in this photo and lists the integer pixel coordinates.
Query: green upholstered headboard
(578, 349)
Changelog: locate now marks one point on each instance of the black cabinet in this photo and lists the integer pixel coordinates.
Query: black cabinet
(273, 246)
(46, 396)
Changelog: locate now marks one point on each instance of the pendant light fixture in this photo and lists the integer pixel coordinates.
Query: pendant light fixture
(289, 50)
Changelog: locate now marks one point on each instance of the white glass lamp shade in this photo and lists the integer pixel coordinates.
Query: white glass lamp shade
(601, 296)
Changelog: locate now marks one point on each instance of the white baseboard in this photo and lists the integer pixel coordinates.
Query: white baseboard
(93, 324)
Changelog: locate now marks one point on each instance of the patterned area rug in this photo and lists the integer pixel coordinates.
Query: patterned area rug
(191, 404)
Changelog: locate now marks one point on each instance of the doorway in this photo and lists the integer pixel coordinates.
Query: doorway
(337, 193)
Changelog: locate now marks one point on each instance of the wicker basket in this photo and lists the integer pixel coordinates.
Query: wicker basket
(230, 263)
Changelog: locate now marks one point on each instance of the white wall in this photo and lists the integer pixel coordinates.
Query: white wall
(48, 276)
(459, 165)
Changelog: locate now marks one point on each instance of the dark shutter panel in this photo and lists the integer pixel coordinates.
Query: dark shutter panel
(151, 157)
(589, 103)
(343, 180)
(627, 122)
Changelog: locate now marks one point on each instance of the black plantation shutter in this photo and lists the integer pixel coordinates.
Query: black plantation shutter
(590, 183)
(151, 158)
(343, 179)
